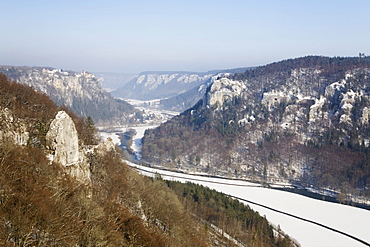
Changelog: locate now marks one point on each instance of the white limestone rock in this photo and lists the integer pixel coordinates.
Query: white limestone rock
(275, 98)
(365, 116)
(62, 139)
(223, 90)
(316, 110)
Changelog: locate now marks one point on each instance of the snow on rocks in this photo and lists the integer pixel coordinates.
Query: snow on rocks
(223, 90)
(365, 115)
(316, 111)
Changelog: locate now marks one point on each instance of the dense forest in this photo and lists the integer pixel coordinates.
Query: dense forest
(41, 205)
(330, 66)
(303, 121)
(236, 219)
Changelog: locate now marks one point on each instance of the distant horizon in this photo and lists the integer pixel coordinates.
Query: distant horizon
(127, 73)
(182, 71)
(135, 36)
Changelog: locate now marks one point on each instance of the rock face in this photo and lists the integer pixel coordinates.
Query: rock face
(81, 92)
(222, 90)
(105, 147)
(62, 139)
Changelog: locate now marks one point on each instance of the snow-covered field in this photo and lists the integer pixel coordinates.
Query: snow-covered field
(351, 220)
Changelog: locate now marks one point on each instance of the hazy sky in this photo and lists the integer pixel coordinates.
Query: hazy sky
(192, 35)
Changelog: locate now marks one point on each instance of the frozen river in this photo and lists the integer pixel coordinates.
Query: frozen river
(136, 142)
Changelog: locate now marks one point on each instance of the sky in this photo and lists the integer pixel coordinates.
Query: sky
(170, 35)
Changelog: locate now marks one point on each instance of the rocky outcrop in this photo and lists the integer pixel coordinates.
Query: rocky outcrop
(12, 129)
(106, 147)
(221, 91)
(62, 140)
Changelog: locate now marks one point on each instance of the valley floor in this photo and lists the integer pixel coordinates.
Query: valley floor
(354, 222)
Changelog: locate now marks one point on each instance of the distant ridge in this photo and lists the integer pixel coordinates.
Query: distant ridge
(82, 92)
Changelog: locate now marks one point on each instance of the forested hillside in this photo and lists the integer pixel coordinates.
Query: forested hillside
(237, 219)
(95, 199)
(303, 120)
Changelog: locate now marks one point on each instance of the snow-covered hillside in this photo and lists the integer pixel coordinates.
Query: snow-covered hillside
(160, 85)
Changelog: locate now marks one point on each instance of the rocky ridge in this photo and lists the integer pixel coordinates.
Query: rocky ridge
(160, 85)
(82, 92)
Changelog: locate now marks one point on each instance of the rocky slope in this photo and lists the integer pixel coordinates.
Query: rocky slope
(160, 85)
(302, 120)
(82, 92)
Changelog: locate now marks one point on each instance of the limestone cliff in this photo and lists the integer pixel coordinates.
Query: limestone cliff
(222, 90)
